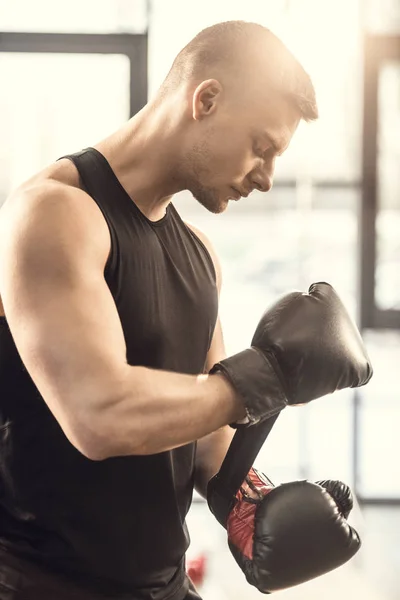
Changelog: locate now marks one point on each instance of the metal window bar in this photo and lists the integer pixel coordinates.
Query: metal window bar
(378, 49)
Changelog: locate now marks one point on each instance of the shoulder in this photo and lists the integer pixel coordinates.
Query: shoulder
(210, 248)
(49, 198)
(49, 209)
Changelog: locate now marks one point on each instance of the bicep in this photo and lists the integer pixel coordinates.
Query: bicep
(59, 308)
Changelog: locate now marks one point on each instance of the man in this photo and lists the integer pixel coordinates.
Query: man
(109, 327)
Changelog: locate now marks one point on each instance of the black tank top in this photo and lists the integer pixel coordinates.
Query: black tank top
(117, 525)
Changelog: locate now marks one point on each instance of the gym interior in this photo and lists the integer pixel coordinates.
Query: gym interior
(332, 215)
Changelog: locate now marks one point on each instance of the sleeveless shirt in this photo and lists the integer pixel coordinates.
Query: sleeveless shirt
(117, 525)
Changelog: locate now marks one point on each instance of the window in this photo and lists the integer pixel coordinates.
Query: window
(54, 104)
(74, 16)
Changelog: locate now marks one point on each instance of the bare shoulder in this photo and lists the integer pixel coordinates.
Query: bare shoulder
(208, 244)
(50, 208)
(47, 194)
(50, 231)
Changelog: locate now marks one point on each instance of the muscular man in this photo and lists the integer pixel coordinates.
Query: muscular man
(109, 327)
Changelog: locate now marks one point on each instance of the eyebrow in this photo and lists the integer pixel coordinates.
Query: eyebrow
(274, 143)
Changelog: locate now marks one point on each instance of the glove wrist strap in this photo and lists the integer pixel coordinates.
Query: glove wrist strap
(239, 459)
(255, 379)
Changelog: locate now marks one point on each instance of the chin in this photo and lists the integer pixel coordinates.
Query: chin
(211, 201)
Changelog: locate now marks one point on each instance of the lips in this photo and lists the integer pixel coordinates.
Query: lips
(240, 194)
(237, 195)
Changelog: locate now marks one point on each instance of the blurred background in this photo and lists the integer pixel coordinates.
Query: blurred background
(70, 73)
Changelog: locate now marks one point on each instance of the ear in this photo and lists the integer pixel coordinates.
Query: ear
(205, 98)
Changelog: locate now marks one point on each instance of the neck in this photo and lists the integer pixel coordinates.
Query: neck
(144, 155)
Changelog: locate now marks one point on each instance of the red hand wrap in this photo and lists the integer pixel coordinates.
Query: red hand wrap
(240, 524)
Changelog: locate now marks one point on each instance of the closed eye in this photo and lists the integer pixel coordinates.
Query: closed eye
(264, 152)
(260, 152)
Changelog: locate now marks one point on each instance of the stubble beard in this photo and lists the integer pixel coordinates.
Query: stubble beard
(209, 198)
(197, 172)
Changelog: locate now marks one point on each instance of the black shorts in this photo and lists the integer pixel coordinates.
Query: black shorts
(22, 580)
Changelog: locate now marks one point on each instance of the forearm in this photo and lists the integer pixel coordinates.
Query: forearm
(210, 454)
(160, 410)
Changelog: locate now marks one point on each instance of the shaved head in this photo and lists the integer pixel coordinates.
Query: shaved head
(245, 56)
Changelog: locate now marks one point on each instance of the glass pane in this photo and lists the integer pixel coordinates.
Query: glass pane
(387, 290)
(379, 442)
(74, 16)
(51, 105)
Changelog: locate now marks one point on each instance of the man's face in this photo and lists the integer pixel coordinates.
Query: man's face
(235, 148)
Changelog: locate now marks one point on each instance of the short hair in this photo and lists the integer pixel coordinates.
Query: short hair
(224, 44)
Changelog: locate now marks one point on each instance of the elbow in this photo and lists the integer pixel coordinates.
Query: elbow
(101, 438)
(92, 446)
(89, 438)
(112, 427)
(93, 452)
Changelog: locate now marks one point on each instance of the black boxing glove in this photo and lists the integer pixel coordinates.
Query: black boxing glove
(341, 493)
(305, 346)
(283, 536)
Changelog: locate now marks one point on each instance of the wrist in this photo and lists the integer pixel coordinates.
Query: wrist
(254, 378)
(228, 396)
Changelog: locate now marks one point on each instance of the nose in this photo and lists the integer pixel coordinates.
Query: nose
(263, 178)
(263, 184)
